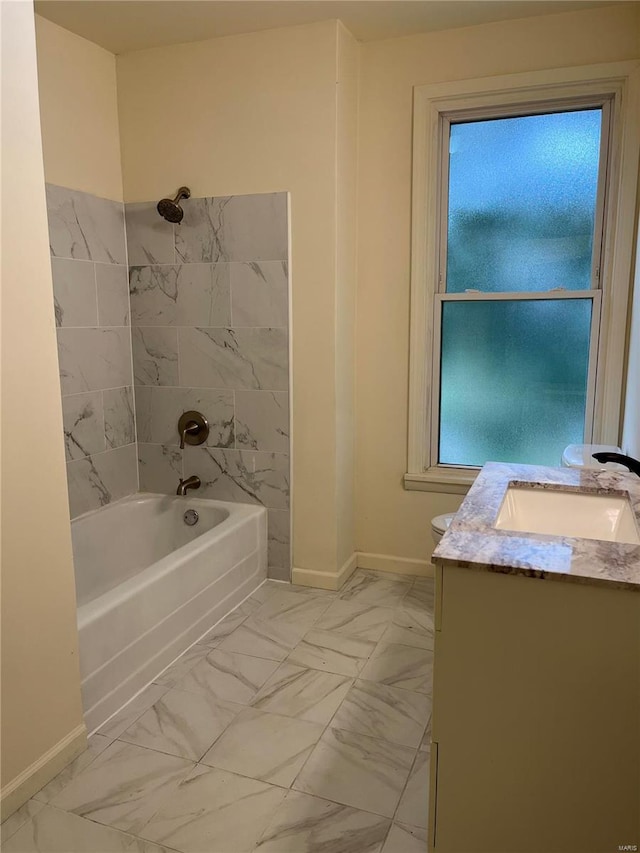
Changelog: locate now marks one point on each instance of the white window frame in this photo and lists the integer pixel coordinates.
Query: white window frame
(434, 105)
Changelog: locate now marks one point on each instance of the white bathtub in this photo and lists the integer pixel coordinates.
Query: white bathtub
(149, 586)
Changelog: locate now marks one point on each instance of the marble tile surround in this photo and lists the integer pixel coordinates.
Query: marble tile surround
(199, 320)
(91, 303)
(236, 752)
(210, 331)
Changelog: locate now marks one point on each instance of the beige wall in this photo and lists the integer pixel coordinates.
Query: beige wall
(249, 114)
(631, 431)
(79, 112)
(40, 678)
(347, 76)
(391, 520)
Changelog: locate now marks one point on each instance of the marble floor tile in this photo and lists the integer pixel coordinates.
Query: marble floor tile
(180, 667)
(419, 603)
(410, 628)
(385, 712)
(124, 786)
(414, 803)
(225, 627)
(139, 845)
(425, 588)
(183, 724)
(54, 831)
(265, 746)
(332, 652)
(307, 694)
(266, 589)
(306, 824)
(383, 590)
(95, 745)
(401, 666)
(270, 639)
(426, 738)
(227, 675)
(292, 608)
(357, 770)
(131, 711)
(310, 590)
(365, 621)
(214, 811)
(21, 816)
(406, 839)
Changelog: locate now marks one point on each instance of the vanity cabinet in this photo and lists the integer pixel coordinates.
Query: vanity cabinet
(536, 714)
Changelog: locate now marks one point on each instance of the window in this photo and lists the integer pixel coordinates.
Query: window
(518, 288)
(517, 312)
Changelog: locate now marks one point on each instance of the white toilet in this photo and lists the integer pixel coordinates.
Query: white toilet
(440, 525)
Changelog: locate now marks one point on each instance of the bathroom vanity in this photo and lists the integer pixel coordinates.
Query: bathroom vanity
(536, 705)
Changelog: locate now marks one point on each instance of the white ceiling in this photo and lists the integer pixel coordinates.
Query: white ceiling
(125, 25)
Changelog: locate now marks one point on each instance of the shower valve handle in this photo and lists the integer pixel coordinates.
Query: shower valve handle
(193, 428)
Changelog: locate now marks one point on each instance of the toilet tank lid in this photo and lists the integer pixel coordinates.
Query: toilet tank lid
(581, 456)
(441, 522)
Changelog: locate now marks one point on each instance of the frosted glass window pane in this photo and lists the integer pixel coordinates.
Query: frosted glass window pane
(513, 380)
(522, 200)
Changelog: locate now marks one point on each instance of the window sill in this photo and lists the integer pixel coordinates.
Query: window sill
(449, 481)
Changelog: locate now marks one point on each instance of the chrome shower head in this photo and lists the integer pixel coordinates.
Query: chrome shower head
(170, 208)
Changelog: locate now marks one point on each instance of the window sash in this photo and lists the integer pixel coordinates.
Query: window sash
(596, 298)
(562, 105)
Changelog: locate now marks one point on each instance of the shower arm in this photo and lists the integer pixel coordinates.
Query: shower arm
(183, 192)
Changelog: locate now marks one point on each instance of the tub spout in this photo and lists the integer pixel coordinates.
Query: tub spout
(191, 482)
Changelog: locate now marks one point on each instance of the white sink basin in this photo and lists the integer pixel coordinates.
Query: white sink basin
(559, 513)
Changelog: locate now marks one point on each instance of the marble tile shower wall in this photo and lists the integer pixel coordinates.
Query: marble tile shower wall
(89, 267)
(210, 331)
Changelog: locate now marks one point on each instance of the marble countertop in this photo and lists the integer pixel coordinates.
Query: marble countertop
(474, 543)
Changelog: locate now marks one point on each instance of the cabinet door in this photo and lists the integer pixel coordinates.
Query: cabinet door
(536, 716)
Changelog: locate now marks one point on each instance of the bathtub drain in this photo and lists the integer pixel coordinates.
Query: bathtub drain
(191, 517)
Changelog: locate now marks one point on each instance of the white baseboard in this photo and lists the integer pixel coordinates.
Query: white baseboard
(396, 565)
(362, 560)
(33, 778)
(326, 580)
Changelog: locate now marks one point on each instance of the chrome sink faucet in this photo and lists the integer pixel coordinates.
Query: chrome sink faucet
(629, 462)
(192, 482)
